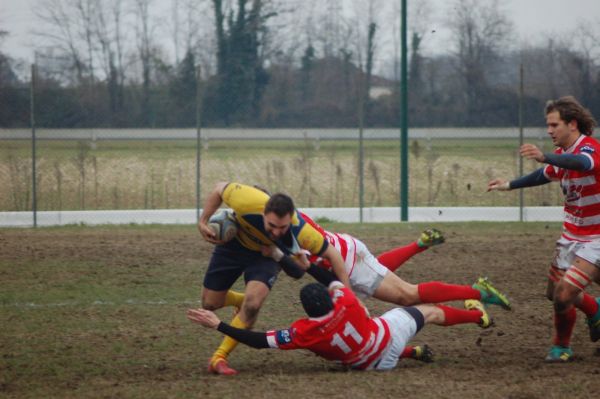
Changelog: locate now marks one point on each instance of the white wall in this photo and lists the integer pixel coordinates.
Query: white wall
(349, 215)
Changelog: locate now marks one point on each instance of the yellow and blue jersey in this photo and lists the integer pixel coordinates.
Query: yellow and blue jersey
(248, 204)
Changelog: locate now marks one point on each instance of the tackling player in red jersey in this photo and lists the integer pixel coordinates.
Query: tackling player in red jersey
(576, 165)
(339, 328)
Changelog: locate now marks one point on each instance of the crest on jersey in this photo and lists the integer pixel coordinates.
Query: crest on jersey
(283, 336)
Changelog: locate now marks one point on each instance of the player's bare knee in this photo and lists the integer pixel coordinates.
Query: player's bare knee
(251, 310)
(407, 300)
(212, 302)
(564, 296)
(408, 295)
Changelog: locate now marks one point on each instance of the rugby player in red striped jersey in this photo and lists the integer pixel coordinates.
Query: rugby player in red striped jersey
(575, 164)
(370, 276)
(339, 328)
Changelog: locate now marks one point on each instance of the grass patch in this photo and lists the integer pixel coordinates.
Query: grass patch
(161, 174)
(100, 312)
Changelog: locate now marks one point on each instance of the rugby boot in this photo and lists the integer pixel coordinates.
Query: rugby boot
(473, 304)
(594, 324)
(490, 295)
(219, 365)
(559, 354)
(423, 353)
(430, 237)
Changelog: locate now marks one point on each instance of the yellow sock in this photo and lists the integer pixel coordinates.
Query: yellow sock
(228, 344)
(234, 298)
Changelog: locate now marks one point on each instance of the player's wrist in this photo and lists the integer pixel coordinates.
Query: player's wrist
(277, 254)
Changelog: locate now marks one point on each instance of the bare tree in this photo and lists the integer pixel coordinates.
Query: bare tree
(480, 30)
(587, 62)
(85, 12)
(60, 29)
(367, 22)
(108, 21)
(192, 31)
(144, 29)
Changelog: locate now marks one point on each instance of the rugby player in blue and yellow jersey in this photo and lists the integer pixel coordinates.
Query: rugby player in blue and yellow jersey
(263, 221)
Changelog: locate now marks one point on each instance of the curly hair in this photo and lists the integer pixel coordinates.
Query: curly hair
(570, 109)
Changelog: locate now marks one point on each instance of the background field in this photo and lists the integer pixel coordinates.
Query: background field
(100, 312)
(76, 175)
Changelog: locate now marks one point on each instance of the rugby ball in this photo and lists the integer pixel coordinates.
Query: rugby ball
(224, 225)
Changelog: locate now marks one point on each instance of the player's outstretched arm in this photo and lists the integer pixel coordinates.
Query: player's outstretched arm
(208, 319)
(498, 185)
(203, 317)
(533, 179)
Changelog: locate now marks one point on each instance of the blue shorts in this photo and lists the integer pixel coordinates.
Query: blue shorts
(231, 259)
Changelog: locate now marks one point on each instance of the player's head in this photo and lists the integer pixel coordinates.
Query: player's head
(278, 215)
(569, 110)
(316, 300)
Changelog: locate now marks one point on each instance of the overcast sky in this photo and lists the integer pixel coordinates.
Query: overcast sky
(533, 19)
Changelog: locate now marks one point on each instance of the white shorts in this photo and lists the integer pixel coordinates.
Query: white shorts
(367, 273)
(403, 328)
(567, 250)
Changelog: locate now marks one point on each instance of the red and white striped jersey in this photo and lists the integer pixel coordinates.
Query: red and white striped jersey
(346, 334)
(581, 190)
(344, 243)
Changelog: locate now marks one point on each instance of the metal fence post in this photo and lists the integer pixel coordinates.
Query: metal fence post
(33, 145)
(521, 95)
(198, 136)
(361, 166)
(404, 120)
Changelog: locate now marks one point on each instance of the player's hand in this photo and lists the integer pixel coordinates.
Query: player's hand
(498, 185)
(531, 151)
(208, 233)
(271, 251)
(302, 261)
(203, 317)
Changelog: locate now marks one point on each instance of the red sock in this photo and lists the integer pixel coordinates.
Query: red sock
(454, 316)
(563, 327)
(396, 257)
(436, 291)
(588, 305)
(407, 353)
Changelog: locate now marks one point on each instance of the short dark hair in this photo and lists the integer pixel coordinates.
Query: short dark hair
(280, 204)
(316, 300)
(570, 109)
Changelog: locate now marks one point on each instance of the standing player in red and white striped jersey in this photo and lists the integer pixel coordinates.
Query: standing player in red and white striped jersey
(576, 165)
(339, 328)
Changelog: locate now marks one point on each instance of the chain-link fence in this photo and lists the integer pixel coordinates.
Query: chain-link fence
(319, 168)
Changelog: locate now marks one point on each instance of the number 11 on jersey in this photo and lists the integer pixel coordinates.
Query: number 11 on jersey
(349, 331)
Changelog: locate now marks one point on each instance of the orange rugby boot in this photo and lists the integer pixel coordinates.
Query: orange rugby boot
(219, 365)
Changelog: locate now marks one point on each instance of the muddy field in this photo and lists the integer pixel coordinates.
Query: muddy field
(100, 312)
